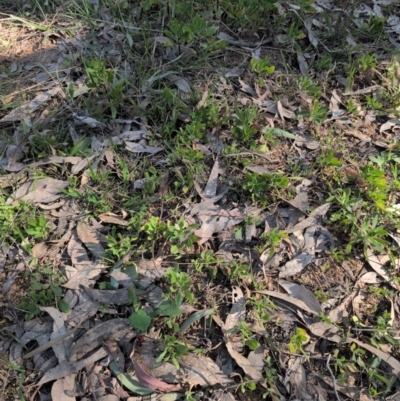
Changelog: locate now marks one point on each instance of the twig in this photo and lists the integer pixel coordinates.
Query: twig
(333, 378)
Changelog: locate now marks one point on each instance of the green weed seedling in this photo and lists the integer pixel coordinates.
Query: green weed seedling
(367, 62)
(369, 234)
(247, 336)
(120, 245)
(139, 319)
(153, 228)
(307, 85)
(38, 227)
(179, 283)
(44, 290)
(297, 341)
(272, 240)
(261, 66)
(173, 349)
(207, 261)
(261, 306)
(317, 114)
(243, 128)
(179, 235)
(373, 103)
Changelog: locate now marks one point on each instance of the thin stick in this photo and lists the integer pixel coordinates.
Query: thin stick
(333, 378)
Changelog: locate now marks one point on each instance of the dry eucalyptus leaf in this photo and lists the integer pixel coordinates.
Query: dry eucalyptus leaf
(238, 311)
(302, 293)
(110, 297)
(180, 82)
(243, 362)
(337, 314)
(89, 236)
(138, 148)
(311, 220)
(325, 330)
(377, 265)
(44, 190)
(201, 370)
(211, 188)
(256, 358)
(61, 349)
(14, 154)
(60, 387)
(296, 265)
(288, 298)
(113, 328)
(112, 218)
(352, 392)
(147, 380)
(295, 379)
(88, 121)
(40, 250)
(23, 112)
(66, 368)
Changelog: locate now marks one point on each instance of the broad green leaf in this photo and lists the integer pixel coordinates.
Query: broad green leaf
(279, 132)
(129, 382)
(63, 306)
(193, 318)
(140, 320)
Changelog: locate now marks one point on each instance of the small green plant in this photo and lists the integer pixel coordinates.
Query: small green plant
(179, 235)
(179, 282)
(329, 159)
(38, 227)
(247, 336)
(273, 239)
(243, 128)
(317, 114)
(261, 307)
(44, 290)
(139, 319)
(373, 103)
(153, 228)
(207, 261)
(370, 234)
(325, 62)
(321, 296)
(120, 245)
(298, 340)
(173, 349)
(367, 62)
(351, 106)
(261, 66)
(105, 80)
(310, 88)
(375, 26)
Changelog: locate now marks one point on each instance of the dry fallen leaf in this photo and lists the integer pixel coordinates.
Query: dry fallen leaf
(23, 112)
(114, 328)
(311, 220)
(296, 265)
(201, 370)
(44, 190)
(147, 380)
(90, 238)
(66, 368)
(238, 311)
(60, 386)
(302, 293)
(112, 218)
(243, 362)
(377, 265)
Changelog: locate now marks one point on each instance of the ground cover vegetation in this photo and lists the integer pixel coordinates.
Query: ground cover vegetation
(199, 200)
